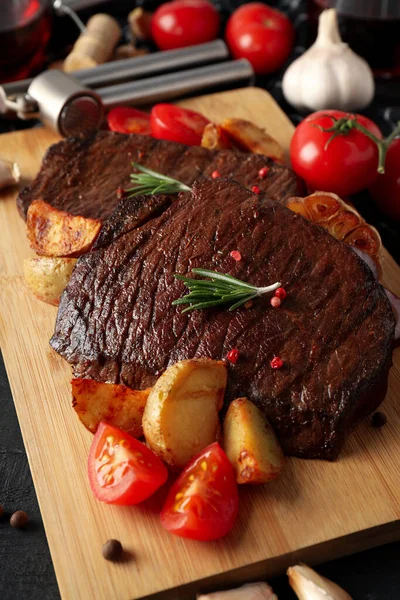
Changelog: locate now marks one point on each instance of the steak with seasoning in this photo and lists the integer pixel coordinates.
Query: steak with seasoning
(334, 331)
(81, 175)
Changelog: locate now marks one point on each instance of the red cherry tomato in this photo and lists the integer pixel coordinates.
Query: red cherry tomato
(345, 166)
(386, 189)
(121, 469)
(261, 34)
(184, 23)
(203, 502)
(128, 120)
(169, 122)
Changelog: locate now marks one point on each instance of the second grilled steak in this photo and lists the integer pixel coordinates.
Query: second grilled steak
(81, 175)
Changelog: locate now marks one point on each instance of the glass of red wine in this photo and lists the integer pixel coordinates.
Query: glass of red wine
(370, 27)
(25, 28)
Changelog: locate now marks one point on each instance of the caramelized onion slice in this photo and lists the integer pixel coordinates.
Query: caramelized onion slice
(365, 238)
(343, 223)
(297, 205)
(322, 206)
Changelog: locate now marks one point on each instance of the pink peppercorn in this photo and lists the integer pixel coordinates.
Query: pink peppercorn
(281, 293)
(215, 174)
(255, 189)
(120, 193)
(235, 254)
(233, 356)
(263, 172)
(275, 301)
(276, 363)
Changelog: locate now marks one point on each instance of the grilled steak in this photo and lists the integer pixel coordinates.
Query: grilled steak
(334, 331)
(81, 175)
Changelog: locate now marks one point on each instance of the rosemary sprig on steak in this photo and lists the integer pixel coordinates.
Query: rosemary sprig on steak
(218, 290)
(150, 182)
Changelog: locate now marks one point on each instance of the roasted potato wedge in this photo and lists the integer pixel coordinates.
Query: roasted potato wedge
(53, 232)
(118, 405)
(250, 443)
(250, 138)
(47, 277)
(215, 138)
(181, 414)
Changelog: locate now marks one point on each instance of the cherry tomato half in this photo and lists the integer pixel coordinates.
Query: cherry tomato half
(184, 23)
(121, 469)
(128, 120)
(203, 502)
(169, 122)
(261, 34)
(386, 189)
(346, 165)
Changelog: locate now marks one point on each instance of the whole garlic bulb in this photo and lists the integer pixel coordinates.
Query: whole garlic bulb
(329, 74)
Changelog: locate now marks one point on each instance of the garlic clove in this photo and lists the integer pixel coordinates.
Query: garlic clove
(9, 173)
(329, 74)
(307, 584)
(251, 591)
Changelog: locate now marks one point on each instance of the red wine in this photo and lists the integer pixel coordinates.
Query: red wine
(376, 39)
(24, 34)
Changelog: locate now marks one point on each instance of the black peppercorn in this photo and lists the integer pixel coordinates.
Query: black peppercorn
(379, 419)
(112, 550)
(19, 519)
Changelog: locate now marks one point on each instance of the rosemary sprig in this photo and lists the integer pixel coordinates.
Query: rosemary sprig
(218, 290)
(151, 182)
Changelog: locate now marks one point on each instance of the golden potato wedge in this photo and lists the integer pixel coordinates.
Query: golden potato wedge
(250, 138)
(47, 277)
(250, 443)
(118, 405)
(53, 232)
(215, 138)
(181, 414)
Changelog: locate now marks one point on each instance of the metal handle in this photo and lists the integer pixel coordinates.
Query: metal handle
(81, 4)
(174, 85)
(138, 67)
(151, 64)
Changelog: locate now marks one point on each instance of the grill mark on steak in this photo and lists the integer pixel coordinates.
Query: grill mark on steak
(81, 175)
(129, 214)
(334, 331)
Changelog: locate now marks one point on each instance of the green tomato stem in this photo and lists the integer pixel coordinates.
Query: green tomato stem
(344, 125)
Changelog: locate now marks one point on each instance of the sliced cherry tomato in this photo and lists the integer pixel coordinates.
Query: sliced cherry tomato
(345, 165)
(203, 502)
(128, 120)
(121, 469)
(386, 189)
(169, 122)
(261, 34)
(184, 23)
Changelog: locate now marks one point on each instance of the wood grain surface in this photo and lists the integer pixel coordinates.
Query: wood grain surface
(315, 511)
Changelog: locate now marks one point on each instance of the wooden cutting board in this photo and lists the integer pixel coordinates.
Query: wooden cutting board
(315, 511)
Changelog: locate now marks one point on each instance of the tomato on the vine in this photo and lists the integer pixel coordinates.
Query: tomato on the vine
(386, 189)
(344, 164)
(128, 120)
(203, 502)
(261, 34)
(121, 469)
(182, 23)
(170, 122)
